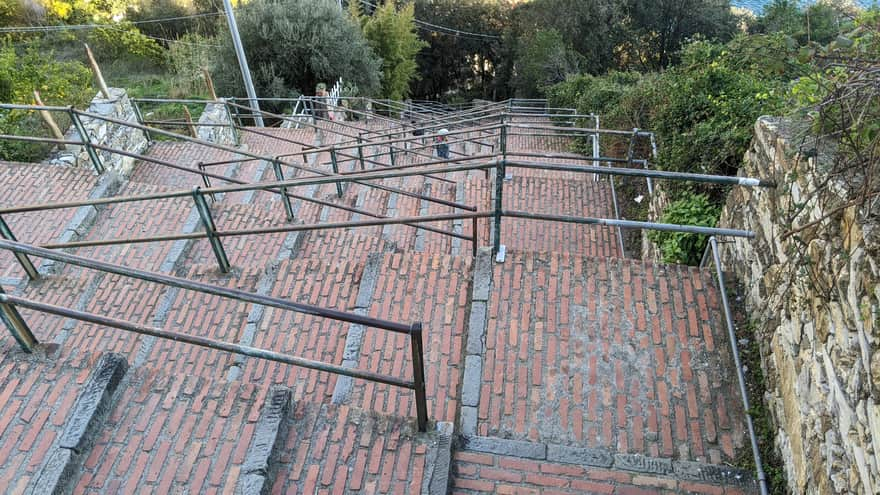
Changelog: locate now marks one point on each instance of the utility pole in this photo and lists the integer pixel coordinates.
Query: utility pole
(242, 63)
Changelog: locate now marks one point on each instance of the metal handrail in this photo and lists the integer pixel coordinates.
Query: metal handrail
(19, 328)
(731, 334)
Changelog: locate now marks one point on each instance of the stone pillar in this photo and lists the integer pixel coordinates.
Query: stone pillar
(214, 114)
(105, 133)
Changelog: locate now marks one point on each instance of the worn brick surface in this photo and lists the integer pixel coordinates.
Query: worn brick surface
(580, 198)
(33, 183)
(36, 396)
(474, 473)
(431, 289)
(247, 251)
(316, 281)
(342, 450)
(172, 432)
(203, 315)
(137, 219)
(609, 353)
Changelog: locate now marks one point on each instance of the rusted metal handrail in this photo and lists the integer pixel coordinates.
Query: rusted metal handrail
(19, 328)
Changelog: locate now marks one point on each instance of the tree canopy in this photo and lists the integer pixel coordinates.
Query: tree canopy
(291, 46)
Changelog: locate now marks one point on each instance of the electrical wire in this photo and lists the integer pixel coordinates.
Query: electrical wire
(427, 26)
(74, 27)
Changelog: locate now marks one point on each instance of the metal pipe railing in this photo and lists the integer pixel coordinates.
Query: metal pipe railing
(413, 330)
(756, 452)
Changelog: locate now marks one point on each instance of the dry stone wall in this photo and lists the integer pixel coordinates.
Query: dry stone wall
(215, 125)
(105, 133)
(815, 305)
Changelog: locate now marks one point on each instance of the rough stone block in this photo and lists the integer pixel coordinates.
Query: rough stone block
(482, 275)
(93, 402)
(500, 446)
(473, 373)
(711, 473)
(268, 432)
(582, 456)
(438, 462)
(54, 475)
(476, 328)
(642, 464)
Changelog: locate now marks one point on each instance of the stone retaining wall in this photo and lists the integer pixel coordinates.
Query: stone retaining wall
(106, 133)
(816, 317)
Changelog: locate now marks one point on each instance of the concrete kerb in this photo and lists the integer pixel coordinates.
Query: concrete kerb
(476, 331)
(260, 462)
(602, 458)
(355, 337)
(82, 427)
(439, 461)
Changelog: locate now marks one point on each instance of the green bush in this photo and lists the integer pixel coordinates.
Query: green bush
(59, 83)
(291, 46)
(392, 34)
(691, 209)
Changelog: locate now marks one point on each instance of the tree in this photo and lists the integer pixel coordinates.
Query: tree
(462, 62)
(291, 46)
(391, 33)
(592, 29)
(544, 60)
(658, 28)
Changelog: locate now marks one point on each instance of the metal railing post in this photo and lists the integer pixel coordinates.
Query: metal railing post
(334, 162)
(391, 153)
(16, 324)
(279, 175)
(23, 259)
(206, 180)
(140, 119)
(86, 141)
(499, 205)
(361, 152)
(476, 238)
(232, 127)
(632, 144)
(415, 336)
(210, 229)
(756, 452)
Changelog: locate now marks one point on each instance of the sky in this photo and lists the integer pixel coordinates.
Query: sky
(757, 5)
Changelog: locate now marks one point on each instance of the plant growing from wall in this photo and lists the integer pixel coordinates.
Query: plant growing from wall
(690, 209)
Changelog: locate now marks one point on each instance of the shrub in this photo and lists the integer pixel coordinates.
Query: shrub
(60, 83)
(291, 46)
(678, 247)
(391, 33)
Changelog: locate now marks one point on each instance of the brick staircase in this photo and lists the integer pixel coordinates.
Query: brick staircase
(565, 369)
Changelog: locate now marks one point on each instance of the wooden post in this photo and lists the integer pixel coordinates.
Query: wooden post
(97, 70)
(189, 122)
(210, 83)
(56, 132)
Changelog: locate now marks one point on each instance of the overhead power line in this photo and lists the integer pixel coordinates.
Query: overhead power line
(427, 26)
(74, 27)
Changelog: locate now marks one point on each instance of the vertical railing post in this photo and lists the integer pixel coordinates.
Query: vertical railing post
(16, 324)
(232, 127)
(499, 205)
(22, 258)
(391, 153)
(415, 337)
(205, 180)
(334, 162)
(140, 119)
(596, 152)
(279, 175)
(210, 229)
(476, 237)
(631, 150)
(86, 141)
(361, 152)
